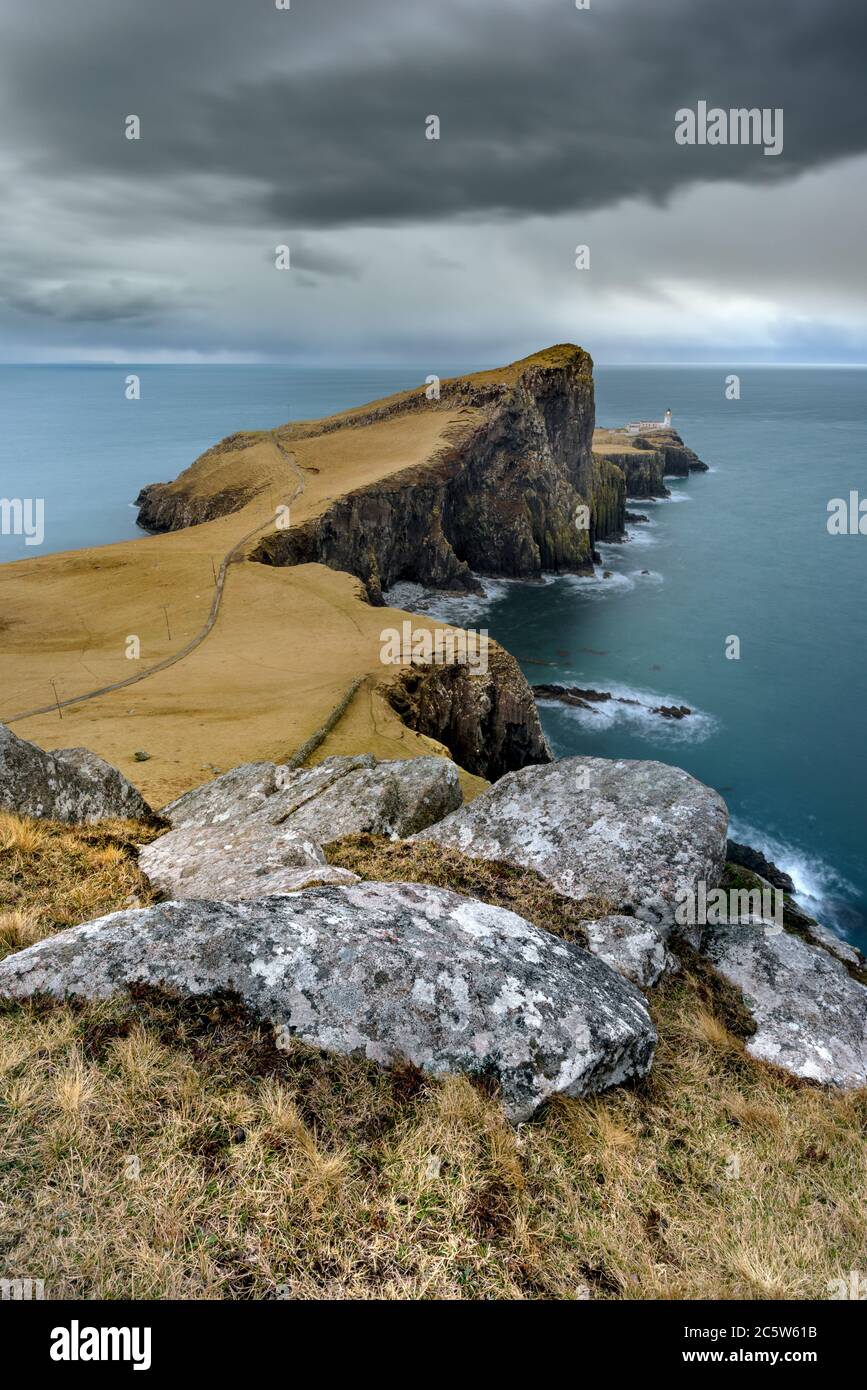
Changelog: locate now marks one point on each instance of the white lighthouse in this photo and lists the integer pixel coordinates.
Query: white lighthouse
(638, 426)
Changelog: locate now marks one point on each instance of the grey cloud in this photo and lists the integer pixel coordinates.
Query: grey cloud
(320, 261)
(543, 108)
(112, 300)
(307, 127)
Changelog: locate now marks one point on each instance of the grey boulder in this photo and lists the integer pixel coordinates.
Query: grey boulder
(633, 948)
(244, 834)
(248, 859)
(634, 833)
(383, 971)
(73, 785)
(340, 796)
(811, 1016)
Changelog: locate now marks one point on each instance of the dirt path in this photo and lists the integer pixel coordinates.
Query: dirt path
(236, 553)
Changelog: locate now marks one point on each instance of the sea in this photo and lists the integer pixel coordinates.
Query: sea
(777, 722)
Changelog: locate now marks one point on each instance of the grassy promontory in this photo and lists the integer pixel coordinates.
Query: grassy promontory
(287, 643)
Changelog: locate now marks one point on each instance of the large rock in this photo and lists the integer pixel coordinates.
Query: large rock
(634, 833)
(385, 971)
(73, 785)
(340, 796)
(811, 1015)
(246, 834)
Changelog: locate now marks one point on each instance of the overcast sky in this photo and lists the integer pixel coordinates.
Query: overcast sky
(306, 127)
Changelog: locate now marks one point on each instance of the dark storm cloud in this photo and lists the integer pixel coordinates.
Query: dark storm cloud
(320, 110)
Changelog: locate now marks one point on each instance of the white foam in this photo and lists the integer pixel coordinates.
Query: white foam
(632, 502)
(641, 535)
(639, 717)
(816, 883)
(595, 585)
(461, 610)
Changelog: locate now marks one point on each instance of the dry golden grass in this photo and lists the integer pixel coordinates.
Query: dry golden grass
(54, 876)
(154, 1149)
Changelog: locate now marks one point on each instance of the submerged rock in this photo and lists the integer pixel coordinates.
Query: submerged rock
(633, 833)
(585, 699)
(247, 833)
(811, 1015)
(384, 971)
(72, 785)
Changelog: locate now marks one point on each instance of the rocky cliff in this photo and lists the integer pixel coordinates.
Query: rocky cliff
(489, 723)
(501, 474)
(645, 460)
(502, 499)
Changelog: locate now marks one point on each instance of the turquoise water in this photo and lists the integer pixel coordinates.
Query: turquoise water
(70, 436)
(743, 550)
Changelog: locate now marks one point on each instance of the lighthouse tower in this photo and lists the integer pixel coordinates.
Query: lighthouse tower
(667, 420)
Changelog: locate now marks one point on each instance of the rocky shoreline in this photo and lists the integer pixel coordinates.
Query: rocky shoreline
(249, 902)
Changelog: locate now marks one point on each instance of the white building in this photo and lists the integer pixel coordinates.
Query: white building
(638, 426)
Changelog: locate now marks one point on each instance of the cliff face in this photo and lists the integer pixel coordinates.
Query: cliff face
(502, 499)
(643, 471)
(645, 460)
(489, 723)
(160, 509)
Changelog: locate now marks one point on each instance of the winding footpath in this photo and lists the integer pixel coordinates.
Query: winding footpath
(236, 553)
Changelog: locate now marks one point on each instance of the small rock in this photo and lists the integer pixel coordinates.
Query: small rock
(633, 948)
(141, 757)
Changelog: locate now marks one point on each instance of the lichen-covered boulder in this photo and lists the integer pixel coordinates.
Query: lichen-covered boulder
(384, 971)
(632, 947)
(811, 1015)
(73, 785)
(633, 833)
(339, 796)
(244, 834)
(248, 858)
